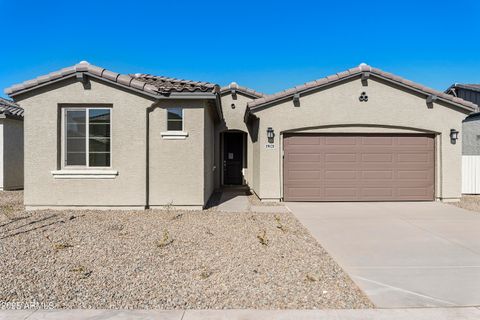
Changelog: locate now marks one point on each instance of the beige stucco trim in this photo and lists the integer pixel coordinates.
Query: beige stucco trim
(84, 174)
(174, 135)
(73, 207)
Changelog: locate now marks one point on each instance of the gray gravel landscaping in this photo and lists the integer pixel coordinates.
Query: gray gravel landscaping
(468, 202)
(166, 259)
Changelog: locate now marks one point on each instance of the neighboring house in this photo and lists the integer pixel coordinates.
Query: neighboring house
(11, 145)
(95, 138)
(471, 125)
(470, 137)
(468, 92)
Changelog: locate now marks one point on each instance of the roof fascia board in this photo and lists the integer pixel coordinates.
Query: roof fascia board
(11, 117)
(453, 103)
(372, 74)
(239, 91)
(192, 95)
(302, 92)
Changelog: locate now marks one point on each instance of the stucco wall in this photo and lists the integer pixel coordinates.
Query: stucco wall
(471, 137)
(42, 148)
(210, 168)
(176, 166)
(12, 154)
(389, 109)
(234, 120)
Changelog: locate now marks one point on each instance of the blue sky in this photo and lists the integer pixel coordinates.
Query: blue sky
(265, 45)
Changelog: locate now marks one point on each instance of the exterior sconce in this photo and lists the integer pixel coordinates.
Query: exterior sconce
(453, 136)
(270, 135)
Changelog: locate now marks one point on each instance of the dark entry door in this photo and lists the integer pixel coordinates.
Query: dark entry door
(232, 158)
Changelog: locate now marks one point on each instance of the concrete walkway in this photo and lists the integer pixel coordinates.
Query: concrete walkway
(377, 314)
(234, 200)
(421, 254)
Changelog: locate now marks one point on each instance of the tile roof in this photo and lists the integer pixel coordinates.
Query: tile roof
(10, 109)
(146, 83)
(245, 90)
(353, 72)
(165, 84)
(468, 86)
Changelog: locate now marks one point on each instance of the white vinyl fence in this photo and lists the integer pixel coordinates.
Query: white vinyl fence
(471, 174)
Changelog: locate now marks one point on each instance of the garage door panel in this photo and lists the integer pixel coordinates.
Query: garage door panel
(377, 174)
(305, 166)
(340, 140)
(340, 174)
(304, 140)
(375, 193)
(378, 167)
(340, 157)
(384, 141)
(377, 157)
(414, 157)
(304, 157)
(304, 192)
(415, 141)
(340, 193)
(415, 174)
(304, 175)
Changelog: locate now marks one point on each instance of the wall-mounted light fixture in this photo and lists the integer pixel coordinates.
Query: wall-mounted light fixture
(270, 135)
(453, 136)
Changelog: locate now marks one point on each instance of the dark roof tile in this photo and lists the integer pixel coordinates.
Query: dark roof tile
(10, 108)
(165, 84)
(151, 84)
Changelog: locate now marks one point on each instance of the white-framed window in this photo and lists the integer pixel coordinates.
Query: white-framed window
(86, 140)
(175, 119)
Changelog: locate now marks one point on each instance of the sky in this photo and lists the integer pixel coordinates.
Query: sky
(265, 45)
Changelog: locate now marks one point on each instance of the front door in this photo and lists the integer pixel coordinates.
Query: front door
(232, 158)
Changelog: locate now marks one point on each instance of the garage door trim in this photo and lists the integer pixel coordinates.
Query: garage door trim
(404, 169)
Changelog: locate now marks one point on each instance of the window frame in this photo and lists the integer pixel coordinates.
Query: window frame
(87, 137)
(183, 119)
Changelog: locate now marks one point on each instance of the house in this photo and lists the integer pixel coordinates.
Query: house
(468, 92)
(470, 137)
(11, 145)
(96, 138)
(471, 125)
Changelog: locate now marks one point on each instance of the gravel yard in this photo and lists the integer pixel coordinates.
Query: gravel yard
(166, 259)
(469, 202)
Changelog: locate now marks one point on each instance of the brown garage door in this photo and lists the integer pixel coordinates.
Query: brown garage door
(370, 167)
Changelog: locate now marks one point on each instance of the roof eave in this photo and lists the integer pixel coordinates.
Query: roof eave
(243, 92)
(190, 95)
(10, 116)
(304, 91)
(160, 95)
(465, 87)
(261, 106)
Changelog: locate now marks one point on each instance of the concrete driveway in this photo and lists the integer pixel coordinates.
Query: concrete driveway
(402, 254)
